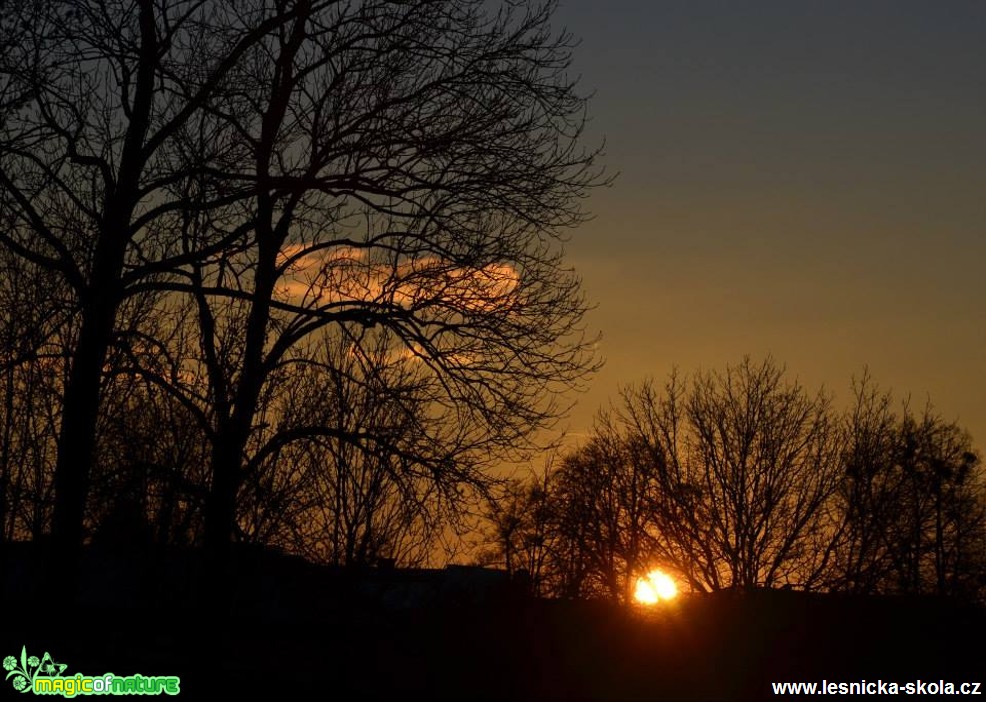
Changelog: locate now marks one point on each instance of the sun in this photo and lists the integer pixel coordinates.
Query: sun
(655, 587)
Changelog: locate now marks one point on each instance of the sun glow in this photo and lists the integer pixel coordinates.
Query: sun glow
(655, 587)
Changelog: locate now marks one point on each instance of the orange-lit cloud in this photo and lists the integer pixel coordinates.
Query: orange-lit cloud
(345, 274)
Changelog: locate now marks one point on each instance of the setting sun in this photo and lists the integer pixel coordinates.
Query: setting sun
(654, 587)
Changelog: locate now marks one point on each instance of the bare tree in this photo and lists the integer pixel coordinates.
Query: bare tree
(330, 497)
(522, 532)
(151, 478)
(866, 499)
(604, 516)
(94, 96)
(421, 197)
(939, 504)
(33, 335)
(725, 480)
(750, 465)
(910, 505)
(294, 166)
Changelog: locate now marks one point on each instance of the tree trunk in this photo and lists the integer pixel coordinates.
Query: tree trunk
(233, 433)
(77, 438)
(220, 508)
(100, 301)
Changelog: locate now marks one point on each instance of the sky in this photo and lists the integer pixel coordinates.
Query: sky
(796, 178)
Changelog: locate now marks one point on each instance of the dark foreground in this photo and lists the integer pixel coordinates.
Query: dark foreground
(288, 634)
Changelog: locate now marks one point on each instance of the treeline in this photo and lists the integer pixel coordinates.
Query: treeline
(743, 478)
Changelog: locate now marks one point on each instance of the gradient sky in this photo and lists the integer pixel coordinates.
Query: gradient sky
(800, 178)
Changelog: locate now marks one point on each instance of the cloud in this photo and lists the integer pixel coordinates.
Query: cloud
(345, 274)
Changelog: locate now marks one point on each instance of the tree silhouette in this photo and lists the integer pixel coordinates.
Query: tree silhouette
(743, 479)
(523, 535)
(747, 464)
(605, 516)
(911, 502)
(335, 499)
(294, 168)
(35, 332)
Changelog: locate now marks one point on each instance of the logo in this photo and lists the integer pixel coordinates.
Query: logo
(43, 676)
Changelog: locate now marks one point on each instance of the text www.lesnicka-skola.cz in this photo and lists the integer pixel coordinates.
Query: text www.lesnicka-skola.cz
(878, 687)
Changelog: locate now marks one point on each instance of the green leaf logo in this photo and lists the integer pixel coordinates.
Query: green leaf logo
(23, 673)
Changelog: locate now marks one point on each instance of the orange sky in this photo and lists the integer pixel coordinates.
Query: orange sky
(802, 179)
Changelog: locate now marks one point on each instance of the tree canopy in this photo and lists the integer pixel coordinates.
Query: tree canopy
(223, 190)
